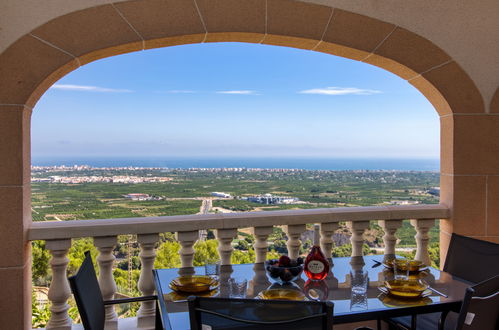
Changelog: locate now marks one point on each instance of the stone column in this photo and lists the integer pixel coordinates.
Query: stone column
(147, 310)
(357, 228)
(261, 245)
(327, 231)
(389, 239)
(15, 215)
(422, 238)
(105, 260)
(59, 291)
(469, 171)
(294, 243)
(225, 237)
(187, 240)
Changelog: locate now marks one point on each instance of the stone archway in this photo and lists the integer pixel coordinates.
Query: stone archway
(35, 61)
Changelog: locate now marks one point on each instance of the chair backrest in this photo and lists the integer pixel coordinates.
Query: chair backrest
(88, 296)
(471, 259)
(480, 308)
(227, 313)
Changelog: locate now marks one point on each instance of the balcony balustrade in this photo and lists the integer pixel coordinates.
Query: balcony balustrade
(58, 236)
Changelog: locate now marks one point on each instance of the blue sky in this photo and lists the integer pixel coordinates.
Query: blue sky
(233, 100)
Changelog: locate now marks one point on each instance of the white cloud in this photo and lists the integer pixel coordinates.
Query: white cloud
(89, 88)
(240, 92)
(340, 91)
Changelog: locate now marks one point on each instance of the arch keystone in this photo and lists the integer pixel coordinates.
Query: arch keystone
(296, 24)
(230, 16)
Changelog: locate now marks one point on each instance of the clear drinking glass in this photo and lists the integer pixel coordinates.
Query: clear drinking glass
(358, 302)
(360, 281)
(212, 268)
(401, 269)
(237, 287)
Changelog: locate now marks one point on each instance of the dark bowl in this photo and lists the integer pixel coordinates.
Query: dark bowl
(283, 274)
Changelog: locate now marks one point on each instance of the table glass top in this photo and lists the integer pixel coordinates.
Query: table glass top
(336, 287)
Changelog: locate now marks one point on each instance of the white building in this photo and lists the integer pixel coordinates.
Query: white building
(270, 199)
(220, 194)
(137, 197)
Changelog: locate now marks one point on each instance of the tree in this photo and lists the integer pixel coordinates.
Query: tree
(434, 251)
(77, 251)
(240, 257)
(40, 313)
(41, 258)
(305, 248)
(167, 255)
(346, 250)
(124, 263)
(279, 246)
(205, 252)
(242, 245)
(250, 239)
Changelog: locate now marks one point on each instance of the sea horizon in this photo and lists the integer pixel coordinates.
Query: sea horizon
(308, 163)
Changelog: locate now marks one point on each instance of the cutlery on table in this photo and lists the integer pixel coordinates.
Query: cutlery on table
(437, 292)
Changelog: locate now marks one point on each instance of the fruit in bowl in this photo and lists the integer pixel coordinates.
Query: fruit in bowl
(285, 269)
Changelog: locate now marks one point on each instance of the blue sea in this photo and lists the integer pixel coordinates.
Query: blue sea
(287, 163)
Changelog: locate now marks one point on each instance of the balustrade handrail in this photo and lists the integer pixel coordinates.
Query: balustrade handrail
(53, 230)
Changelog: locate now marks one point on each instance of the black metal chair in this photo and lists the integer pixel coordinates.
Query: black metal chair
(471, 259)
(89, 300)
(480, 308)
(227, 313)
(467, 258)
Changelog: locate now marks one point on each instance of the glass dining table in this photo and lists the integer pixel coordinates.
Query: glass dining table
(350, 304)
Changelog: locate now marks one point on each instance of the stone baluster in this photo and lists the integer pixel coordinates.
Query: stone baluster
(225, 273)
(327, 231)
(294, 243)
(147, 310)
(187, 240)
(389, 239)
(59, 291)
(261, 245)
(357, 228)
(225, 237)
(422, 239)
(259, 282)
(105, 260)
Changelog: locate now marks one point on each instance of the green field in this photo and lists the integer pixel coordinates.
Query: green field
(316, 188)
(183, 194)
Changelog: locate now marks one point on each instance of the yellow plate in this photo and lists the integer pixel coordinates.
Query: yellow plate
(414, 265)
(176, 296)
(395, 302)
(194, 283)
(281, 294)
(406, 289)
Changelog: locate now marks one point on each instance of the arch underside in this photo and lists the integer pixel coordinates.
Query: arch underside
(34, 62)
